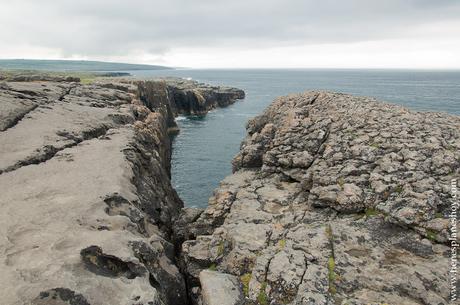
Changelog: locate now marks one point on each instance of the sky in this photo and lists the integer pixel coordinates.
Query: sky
(421, 34)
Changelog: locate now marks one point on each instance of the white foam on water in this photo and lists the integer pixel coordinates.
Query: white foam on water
(181, 118)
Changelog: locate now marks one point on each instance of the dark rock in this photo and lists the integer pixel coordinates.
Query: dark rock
(108, 265)
(163, 274)
(190, 97)
(60, 296)
(183, 225)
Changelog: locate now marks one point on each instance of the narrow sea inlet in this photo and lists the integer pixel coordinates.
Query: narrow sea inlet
(205, 146)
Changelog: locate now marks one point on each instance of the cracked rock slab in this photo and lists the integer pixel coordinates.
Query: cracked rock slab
(220, 289)
(334, 199)
(87, 204)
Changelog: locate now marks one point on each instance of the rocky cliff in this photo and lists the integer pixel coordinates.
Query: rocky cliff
(87, 206)
(191, 97)
(334, 199)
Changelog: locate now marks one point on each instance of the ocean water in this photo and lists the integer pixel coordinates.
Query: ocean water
(205, 146)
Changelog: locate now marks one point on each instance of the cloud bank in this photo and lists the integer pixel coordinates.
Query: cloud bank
(166, 31)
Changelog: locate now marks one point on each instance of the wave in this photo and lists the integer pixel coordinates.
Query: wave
(181, 118)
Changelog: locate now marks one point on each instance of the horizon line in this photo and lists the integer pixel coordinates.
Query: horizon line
(244, 68)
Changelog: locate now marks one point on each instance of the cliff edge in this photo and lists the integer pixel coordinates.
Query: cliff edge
(334, 199)
(87, 205)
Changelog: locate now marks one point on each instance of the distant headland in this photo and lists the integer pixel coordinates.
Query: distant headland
(73, 65)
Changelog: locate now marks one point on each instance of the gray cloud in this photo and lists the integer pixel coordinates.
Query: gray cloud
(115, 27)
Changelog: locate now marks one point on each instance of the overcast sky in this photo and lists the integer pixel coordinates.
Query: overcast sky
(237, 33)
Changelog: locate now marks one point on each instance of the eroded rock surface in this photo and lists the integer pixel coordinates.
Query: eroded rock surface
(87, 206)
(191, 97)
(334, 199)
(220, 289)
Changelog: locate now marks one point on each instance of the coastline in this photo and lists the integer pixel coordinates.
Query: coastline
(89, 208)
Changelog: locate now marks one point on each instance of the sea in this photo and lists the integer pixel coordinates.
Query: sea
(203, 150)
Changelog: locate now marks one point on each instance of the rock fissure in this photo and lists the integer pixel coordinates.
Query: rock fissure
(66, 93)
(18, 118)
(47, 152)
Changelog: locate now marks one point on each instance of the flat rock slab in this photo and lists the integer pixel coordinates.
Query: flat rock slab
(220, 289)
(53, 210)
(18, 99)
(60, 163)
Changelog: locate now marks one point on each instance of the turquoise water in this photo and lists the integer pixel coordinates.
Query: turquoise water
(203, 150)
